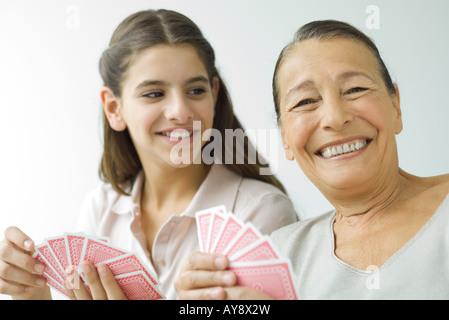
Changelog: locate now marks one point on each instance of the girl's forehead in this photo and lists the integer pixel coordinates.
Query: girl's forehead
(164, 61)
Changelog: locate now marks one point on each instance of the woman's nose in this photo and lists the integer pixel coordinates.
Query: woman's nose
(335, 114)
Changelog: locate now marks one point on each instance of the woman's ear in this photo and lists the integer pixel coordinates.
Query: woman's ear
(288, 151)
(112, 109)
(397, 106)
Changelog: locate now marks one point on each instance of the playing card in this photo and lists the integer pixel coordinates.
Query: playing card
(203, 222)
(271, 277)
(126, 264)
(259, 250)
(245, 237)
(65, 252)
(229, 229)
(49, 271)
(59, 250)
(74, 248)
(253, 257)
(50, 259)
(97, 251)
(52, 277)
(137, 286)
(216, 221)
(56, 285)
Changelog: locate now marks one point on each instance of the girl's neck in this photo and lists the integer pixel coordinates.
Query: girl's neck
(168, 186)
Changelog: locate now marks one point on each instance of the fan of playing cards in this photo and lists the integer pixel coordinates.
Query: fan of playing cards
(69, 250)
(252, 256)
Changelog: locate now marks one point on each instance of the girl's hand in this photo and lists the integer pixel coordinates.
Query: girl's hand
(20, 274)
(204, 277)
(101, 281)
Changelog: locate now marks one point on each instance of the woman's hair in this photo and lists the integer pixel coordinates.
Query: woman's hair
(120, 162)
(328, 29)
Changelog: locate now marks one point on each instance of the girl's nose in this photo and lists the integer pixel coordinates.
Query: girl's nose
(178, 109)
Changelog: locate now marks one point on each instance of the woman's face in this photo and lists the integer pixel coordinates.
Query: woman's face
(165, 90)
(337, 119)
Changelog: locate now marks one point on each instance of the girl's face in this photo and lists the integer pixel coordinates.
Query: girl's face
(165, 89)
(337, 119)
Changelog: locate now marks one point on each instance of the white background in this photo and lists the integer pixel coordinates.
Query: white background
(50, 138)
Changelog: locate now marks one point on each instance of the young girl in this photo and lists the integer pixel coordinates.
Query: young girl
(161, 90)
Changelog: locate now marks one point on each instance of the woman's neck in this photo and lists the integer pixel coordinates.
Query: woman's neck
(363, 204)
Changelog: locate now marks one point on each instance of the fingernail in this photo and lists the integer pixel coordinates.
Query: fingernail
(69, 270)
(39, 267)
(102, 270)
(28, 244)
(85, 268)
(40, 282)
(221, 262)
(228, 279)
(28, 289)
(216, 293)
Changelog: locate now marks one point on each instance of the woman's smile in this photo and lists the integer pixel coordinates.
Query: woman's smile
(340, 150)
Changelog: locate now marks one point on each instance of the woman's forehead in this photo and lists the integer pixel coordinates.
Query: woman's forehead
(333, 50)
(333, 56)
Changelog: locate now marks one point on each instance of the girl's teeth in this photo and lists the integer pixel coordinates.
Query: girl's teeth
(346, 148)
(177, 134)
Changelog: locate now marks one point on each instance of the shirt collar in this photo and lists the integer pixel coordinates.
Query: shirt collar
(219, 188)
(127, 204)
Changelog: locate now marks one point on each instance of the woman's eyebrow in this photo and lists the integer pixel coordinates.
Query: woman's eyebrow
(303, 85)
(351, 74)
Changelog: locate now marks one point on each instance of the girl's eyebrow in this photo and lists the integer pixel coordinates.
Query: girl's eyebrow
(197, 79)
(147, 83)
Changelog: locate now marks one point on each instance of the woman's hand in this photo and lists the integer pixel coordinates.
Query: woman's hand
(101, 281)
(204, 277)
(20, 274)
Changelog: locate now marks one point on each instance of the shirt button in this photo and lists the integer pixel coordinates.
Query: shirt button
(160, 261)
(164, 238)
(173, 223)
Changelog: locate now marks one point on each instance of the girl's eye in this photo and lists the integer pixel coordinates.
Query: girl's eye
(197, 91)
(153, 95)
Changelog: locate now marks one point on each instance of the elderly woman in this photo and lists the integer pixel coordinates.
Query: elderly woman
(339, 114)
(388, 237)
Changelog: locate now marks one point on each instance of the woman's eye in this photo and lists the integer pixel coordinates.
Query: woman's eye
(304, 103)
(355, 90)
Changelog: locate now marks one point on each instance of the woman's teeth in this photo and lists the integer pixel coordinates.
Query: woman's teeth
(342, 149)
